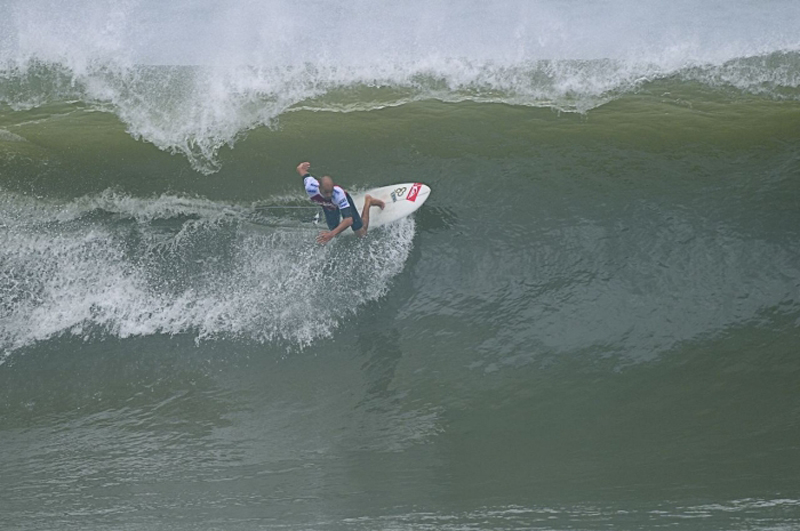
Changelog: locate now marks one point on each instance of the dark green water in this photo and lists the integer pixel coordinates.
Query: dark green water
(593, 323)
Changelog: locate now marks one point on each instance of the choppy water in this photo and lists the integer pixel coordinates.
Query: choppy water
(592, 323)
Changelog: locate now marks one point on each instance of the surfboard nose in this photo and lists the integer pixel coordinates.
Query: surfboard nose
(424, 192)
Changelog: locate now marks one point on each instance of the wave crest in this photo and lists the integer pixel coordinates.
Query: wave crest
(195, 111)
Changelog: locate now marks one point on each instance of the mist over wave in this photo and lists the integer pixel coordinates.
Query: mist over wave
(192, 77)
(125, 266)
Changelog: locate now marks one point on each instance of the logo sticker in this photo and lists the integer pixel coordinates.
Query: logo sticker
(412, 194)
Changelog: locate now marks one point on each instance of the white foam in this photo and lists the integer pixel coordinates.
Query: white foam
(212, 276)
(252, 61)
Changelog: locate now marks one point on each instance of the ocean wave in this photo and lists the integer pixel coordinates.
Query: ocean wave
(196, 111)
(193, 83)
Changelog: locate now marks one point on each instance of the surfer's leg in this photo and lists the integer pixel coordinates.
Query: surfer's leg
(369, 202)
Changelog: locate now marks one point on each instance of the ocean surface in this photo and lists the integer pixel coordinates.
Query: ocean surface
(592, 324)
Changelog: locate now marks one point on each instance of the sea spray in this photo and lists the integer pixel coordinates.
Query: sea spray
(194, 77)
(118, 265)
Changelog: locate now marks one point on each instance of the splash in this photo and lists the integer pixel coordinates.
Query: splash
(116, 265)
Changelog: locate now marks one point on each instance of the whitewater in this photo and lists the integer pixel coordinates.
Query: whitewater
(194, 78)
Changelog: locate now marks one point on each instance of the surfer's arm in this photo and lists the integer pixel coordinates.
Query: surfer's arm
(346, 222)
(325, 237)
(302, 168)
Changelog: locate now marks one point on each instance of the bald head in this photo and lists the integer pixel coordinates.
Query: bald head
(326, 186)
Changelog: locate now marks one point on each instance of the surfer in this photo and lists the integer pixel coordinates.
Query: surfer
(340, 211)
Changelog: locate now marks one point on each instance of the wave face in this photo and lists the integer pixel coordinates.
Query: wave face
(192, 77)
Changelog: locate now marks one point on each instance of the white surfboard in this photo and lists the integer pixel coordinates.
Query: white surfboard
(401, 200)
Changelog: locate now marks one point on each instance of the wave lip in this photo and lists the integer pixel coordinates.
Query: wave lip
(192, 80)
(196, 111)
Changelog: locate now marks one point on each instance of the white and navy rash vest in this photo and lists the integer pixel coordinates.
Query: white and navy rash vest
(337, 202)
(340, 205)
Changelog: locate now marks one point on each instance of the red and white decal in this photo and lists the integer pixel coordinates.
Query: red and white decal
(412, 194)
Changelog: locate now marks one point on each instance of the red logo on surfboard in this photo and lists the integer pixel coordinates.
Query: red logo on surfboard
(412, 194)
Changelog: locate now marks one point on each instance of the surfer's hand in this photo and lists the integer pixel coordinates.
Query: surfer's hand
(303, 167)
(325, 237)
